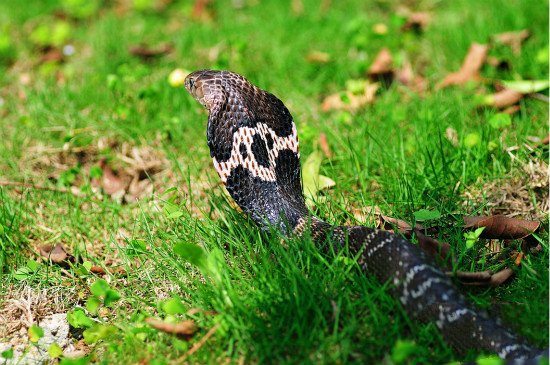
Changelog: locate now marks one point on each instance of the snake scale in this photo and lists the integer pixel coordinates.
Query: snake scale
(254, 146)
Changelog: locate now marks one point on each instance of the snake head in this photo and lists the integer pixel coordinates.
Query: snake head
(207, 87)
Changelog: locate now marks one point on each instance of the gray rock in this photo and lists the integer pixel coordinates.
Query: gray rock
(56, 330)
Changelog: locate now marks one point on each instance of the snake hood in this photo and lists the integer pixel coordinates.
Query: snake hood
(254, 146)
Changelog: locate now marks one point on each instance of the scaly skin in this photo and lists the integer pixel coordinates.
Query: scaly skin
(254, 146)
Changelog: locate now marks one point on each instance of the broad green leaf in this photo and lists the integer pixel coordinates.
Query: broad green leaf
(472, 139)
(35, 333)
(172, 211)
(55, 351)
(92, 305)
(193, 254)
(33, 265)
(78, 319)
(23, 273)
(527, 86)
(542, 55)
(99, 288)
(356, 86)
(426, 215)
(402, 350)
(500, 121)
(7, 354)
(473, 237)
(111, 296)
(78, 361)
(99, 332)
(174, 306)
(489, 360)
(87, 265)
(96, 172)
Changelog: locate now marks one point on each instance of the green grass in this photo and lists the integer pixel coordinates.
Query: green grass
(276, 303)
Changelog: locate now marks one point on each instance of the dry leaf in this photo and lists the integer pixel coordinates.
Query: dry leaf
(417, 21)
(513, 39)
(101, 271)
(382, 67)
(512, 109)
(369, 215)
(349, 101)
(502, 227)
(297, 7)
(185, 329)
(483, 278)
(452, 136)
(56, 254)
(112, 183)
(323, 143)
(435, 248)
(387, 223)
(201, 11)
(53, 55)
(477, 54)
(519, 257)
(318, 57)
(501, 277)
(405, 75)
(503, 98)
(312, 181)
(498, 63)
(147, 53)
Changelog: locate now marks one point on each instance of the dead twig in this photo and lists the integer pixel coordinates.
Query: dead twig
(198, 344)
(38, 187)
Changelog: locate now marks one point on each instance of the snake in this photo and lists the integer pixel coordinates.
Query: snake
(253, 143)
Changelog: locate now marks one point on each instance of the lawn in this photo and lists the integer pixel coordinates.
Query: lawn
(104, 157)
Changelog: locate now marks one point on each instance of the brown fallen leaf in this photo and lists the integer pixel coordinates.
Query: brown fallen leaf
(349, 101)
(502, 227)
(52, 55)
(147, 53)
(503, 98)
(381, 68)
(469, 276)
(498, 63)
(112, 184)
(416, 22)
(323, 143)
(318, 57)
(435, 248)
(501, 277)
(519, 257)
(483, 278)
(387, 223)
(101, 271)
(201, 11)
(469, 71)
(452, 136)
(406, 76)
(297, 7)
(56, 254)
(513, 39)
(185, 329)
(512, 109)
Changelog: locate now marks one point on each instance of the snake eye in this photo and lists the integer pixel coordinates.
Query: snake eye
(191, 83)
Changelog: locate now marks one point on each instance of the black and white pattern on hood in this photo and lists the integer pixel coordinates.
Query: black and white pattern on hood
(254, 146)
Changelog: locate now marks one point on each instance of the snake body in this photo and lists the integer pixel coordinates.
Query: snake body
(254, 146)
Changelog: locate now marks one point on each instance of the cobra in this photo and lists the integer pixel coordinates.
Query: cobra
(254, 146)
